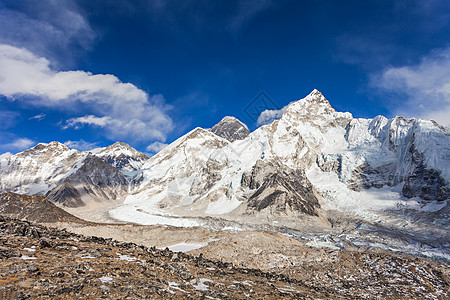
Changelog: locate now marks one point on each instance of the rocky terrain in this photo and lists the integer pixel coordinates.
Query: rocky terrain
(38, 262)
(357, 272)
(41, 262)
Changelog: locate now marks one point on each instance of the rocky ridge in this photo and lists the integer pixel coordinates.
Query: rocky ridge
(95, 180)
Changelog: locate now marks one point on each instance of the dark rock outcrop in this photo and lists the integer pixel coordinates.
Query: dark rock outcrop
(231, 129)
(280, 189)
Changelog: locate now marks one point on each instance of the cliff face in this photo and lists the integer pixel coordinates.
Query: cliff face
(94, 181)
(231, 129)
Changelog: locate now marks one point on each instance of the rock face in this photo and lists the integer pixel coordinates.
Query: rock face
(231, 129)
(94, 181)
(415, 155)
(280, 190)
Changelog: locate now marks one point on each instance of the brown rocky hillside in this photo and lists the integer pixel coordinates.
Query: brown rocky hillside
(34, 208)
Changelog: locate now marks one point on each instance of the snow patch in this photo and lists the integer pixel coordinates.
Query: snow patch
(25, 257)
(125, 257)
(106, 279)
(185, 247)
(202, 286)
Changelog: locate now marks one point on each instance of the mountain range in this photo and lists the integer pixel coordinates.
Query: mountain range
(299, 169)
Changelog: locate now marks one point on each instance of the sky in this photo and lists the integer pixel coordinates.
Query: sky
(89, 73)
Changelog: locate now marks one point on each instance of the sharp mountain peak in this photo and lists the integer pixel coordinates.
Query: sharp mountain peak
(231, 128)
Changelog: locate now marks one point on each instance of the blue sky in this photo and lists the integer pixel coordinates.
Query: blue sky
(89, 73)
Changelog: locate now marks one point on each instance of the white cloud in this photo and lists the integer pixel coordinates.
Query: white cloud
(89, 120)
(5, 155)
(424, 87)
(155, 147)
(19, 144)
(38, 117)
(81, 145)
(121, 109)
(268, 116)
(23, 73)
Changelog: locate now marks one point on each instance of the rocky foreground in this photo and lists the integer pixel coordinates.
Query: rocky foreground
(42, 262)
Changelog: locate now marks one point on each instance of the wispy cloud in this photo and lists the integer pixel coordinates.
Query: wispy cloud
(155, 147)
(38, 117)
(8, 119)
(394, 38)
(246, 11)
(81, 145)
(88, 120)
(19, 144)
(363, 51)
(194, 16)
(422, 89)
(121, 109)
(56, 29)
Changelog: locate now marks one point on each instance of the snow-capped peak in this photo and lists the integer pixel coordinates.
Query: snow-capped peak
(315, 109)
(122, 156)
(119, 148)
(54, 147)
(230, 119)
(317, 96)
(115, 150)
(313, 104)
